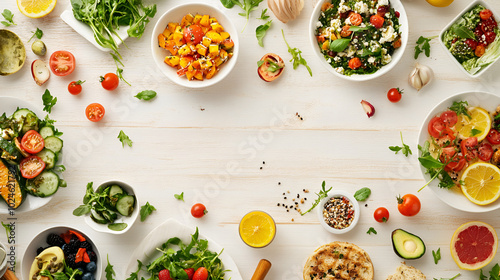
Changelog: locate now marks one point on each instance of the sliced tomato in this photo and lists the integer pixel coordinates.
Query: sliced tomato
(485, 151)
(469, 148)
(493, 137)
(449, 118)
(62, 63)
(435, 127)
(31, 167)
(32, 142)
(95, 112)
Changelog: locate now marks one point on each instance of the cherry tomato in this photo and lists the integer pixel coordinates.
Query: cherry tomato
(394, 95)
(32, 142)
(164, 274)
(381, 215)
(354, 63)
(345, 32)
(110, 81)
(95, 112)
(435, 127)
(485, 151)
(449, 118)
(408, 205)
(485, 14)
(490, 37)
(471, 43)
(189, 272)
(468, 147)
(480, 49)
(493, 137)
(200, 274)
(377, 21)
(31, 167)
(355, 19)
(193, 33)
(62, 63)
(75, 87)
(488, 25)
(397, 14)
(198, 210)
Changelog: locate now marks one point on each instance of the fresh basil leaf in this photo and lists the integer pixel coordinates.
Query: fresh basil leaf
(463, 32)
(117, 226)
(362, 194)
(430, 163)
(261, 31)
(146, 210)
(339, 45)
(260, 63)
(475, 132)
(146, 95)
(228, 4)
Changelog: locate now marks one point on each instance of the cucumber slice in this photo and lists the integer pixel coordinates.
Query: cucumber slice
(54, 144)
(109, 216)
(46, 184)
(96, 217)
(114, 190)
(125, 205)
(48, 157)
(46, 131)
(26, 120)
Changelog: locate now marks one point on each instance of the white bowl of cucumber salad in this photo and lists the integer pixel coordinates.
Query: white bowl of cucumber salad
(117, 211)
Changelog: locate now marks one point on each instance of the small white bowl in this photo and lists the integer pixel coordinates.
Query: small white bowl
(355, 205)
(3, 264)
(474, 3)
(39, 240)
(121, 219)
(175, 15)
(398, 53)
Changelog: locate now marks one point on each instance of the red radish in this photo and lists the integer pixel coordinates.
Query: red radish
(40, 72)
(369, 109)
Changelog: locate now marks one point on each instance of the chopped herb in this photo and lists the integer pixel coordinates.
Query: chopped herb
(179, 196)
(460, 108)
(146, 210)
(9, 18)
(362, 194)
(405, 149)
(124, 139)
(263, 15)
(135, 275)
(296, 56)
(371, 230)
(457, 276)
(48, 101)
(322, 194)
(38, 33)
(146, 95)
(423, 46)
(436, 255)
(475, 132)
(261, 31)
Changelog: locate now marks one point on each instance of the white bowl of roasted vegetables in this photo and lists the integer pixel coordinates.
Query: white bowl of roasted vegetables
(359, 40)
(29, 151)
(61, 253)
(195, 45)
(471, 39)
(111, 208)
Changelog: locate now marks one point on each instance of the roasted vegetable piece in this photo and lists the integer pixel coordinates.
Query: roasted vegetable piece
(11, 185)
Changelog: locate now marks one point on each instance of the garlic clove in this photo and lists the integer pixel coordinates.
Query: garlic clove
(420, 76)
(426, 74)
(273, 6)
(285, 8)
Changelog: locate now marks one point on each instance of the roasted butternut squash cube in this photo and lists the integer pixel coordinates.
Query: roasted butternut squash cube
(201, 49)
(223, 55)
(172, 60)
(198, 75)
(217, 27)
(212, 72)
(162, 40)
(196, 64)
(213, 50)
(227, 44)
(218, 61)
(326, 45)
(197, 19)
(206, 41)
(205, 63)
(185, 50)
(205, 21)
(166, 32)
(212, 20)
(214, 36)
(187, 19)
(178, 39)
(171, 47)
(224, 35)
(190, 74)
(185, 61)
(171, 26)
(178, 29)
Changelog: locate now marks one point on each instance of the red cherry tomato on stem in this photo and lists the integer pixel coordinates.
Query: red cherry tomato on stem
(193, 33)
(493, 137)
(110, 81)
(62, 63)
(485, 151)
(394, 95)
(32, 142)
(75, 87)
(381, 215)
(95, 112)
(198, 210)
(189, 272)
(200, 274)
(31, 167)
(408, 205)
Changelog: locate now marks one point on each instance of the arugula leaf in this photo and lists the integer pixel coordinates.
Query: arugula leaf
(296, 56)
(261, 31)
(263, 15)
(362, 194)
(124, 139)
(436, 255)
(339, 45)
(146, 95)
(460, 108)
(146, 210)
(179, 196)
(435, 168)
(474, 132)
(463, 32)
(405, 149)
(135, 275)
(117, 226)
(110, 272)
(38, 33)
(450, 278)
(357, 28)
(322, 194)
(9, 17)
(48, 101)
(247, 5)
(371, 230)
(273, 66)
(423, 46)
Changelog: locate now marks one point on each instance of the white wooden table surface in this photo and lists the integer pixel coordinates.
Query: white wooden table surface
(211, 143)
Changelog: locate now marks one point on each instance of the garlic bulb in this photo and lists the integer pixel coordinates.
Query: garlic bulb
(286, 10)
(420, 76)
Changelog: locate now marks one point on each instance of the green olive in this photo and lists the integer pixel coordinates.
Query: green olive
(38, 48)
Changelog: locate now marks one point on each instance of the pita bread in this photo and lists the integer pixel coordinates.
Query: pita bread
(407, 272)
(339, 260)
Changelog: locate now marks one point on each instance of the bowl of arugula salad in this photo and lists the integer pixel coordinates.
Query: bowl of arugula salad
(359, 40)
(472, 40)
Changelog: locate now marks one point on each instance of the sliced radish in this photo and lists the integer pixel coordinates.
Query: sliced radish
(40, 72)
(369, 109)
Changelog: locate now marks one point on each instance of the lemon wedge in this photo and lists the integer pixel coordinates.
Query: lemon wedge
(257, 229)
(36, 8)
(480, 121)
(481, 183)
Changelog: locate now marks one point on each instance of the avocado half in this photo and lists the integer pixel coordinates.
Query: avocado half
(407, 245)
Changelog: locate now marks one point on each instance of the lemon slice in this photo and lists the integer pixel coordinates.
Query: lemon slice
(440, 3)
(480, 122)
(36, 8)
(257, 229)
(481, 183)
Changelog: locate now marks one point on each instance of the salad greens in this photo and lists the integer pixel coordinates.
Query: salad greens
(193, 255)
(110, 272)
(322, 194)
(124, 139)
(435, 168)
(263, 15)
(38, 33)
(9, 18)
(436, 255)
(146, 95)
(67, 274)
(405, 149)
(247, 5)
(146, 210)
(423, 46)
(494, 273)
(261, 31)
(371, 230)
(296, 56)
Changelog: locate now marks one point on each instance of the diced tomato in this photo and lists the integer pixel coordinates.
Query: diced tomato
(469, 148)
(354, 63)
(485, 151)
(449, 118)
(485, 14)
(435, 127)
(377, 21)
(493, 137)
(457, 163)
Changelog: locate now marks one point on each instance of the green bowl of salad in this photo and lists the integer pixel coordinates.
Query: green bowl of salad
(359, 40)
(472, 38)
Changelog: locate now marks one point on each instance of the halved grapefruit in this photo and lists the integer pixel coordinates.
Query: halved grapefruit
(473, 245)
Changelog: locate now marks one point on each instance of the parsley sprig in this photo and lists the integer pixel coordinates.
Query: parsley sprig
(322, 194)
(460, 108)
(405, 149)
(146, 210)
(296, 56)
(48, 101)
(423, 46)
(263, 15)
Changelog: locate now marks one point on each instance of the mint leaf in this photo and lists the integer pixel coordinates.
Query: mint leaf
(146, 210)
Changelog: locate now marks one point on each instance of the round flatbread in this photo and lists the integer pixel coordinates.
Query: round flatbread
(12, 52)
(338, 260)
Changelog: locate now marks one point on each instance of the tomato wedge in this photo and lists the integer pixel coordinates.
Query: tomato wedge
(435, 127)
(31, 167)
(95, 112)
(62, 63)
(468, 147)
(485, 151)
(493, 137)
(32, 142)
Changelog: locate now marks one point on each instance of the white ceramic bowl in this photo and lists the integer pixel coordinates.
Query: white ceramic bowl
(474, 3)
(175, 15)
(39, 240)
(121, 219)
(453, 198)
(355, 204)
(398, 53)
(3, 264)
